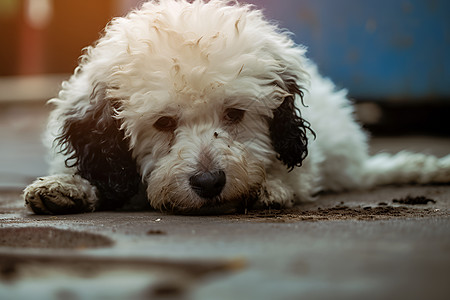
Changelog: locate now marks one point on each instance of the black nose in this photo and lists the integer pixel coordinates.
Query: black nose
(208, 184)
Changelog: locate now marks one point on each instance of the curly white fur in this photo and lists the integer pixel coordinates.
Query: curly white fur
(216, 71)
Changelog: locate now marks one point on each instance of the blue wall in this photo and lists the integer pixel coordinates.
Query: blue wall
(378, 49)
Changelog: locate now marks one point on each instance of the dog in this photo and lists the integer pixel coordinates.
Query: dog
(206, 107)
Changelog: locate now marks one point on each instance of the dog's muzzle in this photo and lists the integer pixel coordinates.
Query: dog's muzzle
(208, 184)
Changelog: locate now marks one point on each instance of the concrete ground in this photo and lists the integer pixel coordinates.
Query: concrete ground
(378, 244)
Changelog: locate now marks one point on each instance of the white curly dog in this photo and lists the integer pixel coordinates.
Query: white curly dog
(206, 107)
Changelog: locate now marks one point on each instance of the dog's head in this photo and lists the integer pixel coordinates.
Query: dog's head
(196, 99)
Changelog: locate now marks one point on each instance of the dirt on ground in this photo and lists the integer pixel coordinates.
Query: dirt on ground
(338, 212)
(378, 206)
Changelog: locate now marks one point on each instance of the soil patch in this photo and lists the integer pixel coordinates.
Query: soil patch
(338, 212)
(47, 237)
(421, 200)
(155, 232)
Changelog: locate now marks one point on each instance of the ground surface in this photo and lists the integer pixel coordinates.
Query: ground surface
(388, 243)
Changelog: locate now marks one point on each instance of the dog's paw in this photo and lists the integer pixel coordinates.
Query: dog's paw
(275, 194)
(60, 194)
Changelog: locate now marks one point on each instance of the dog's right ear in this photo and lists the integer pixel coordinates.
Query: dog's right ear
(288, 130)
(97, 147)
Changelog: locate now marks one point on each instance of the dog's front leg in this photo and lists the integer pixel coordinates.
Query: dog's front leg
(61, 194)
(276, 194)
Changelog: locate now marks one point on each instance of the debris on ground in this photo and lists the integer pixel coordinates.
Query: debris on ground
(410, 200)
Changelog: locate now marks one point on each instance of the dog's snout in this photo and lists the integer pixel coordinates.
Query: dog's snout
(208, 184)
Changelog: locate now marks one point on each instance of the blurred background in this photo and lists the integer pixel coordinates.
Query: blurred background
(393, 52)
(392, 56)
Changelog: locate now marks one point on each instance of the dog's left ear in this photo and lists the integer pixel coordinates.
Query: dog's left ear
(97, 147)
(288, 130)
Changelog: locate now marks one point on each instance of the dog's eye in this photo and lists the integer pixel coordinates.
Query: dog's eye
(166, 124)
(234, 115)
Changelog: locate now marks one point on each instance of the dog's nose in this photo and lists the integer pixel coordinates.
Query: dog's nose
(208, 184)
